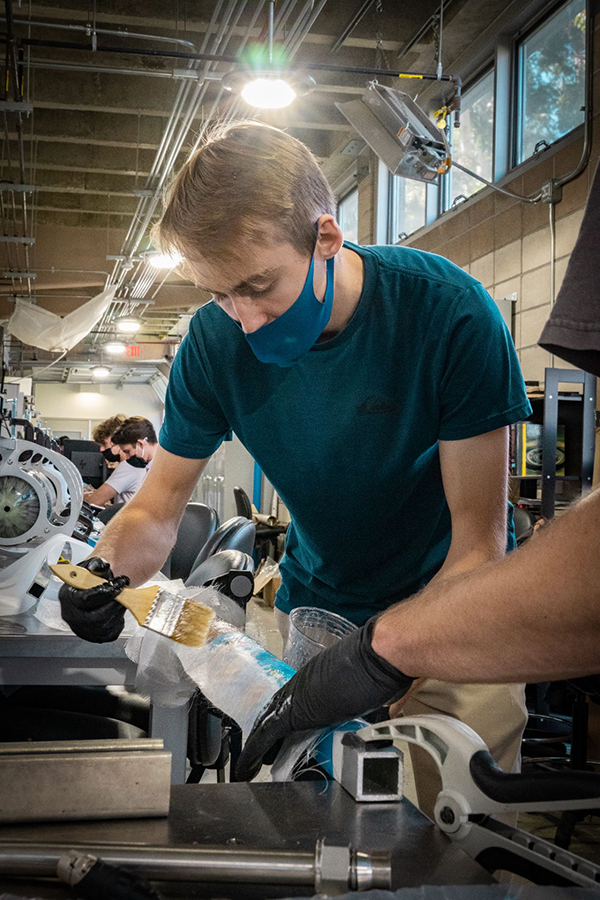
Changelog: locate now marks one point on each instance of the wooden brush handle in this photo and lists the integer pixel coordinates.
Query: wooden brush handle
(137, 600)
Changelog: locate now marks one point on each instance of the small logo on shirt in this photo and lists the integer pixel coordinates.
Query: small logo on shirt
(373, 406)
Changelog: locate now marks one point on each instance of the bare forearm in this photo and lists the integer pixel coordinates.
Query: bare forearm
(532, 616)
(136, 544)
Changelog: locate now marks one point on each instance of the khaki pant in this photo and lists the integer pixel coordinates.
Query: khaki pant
(497, 712)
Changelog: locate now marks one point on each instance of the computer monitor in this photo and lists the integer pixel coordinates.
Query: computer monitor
(88, 459)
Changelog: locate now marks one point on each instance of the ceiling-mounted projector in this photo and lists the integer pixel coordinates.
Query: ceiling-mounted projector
(398, 132)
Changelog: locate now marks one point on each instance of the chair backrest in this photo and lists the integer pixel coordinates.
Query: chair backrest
(230, 571)
(197, 526)
(235, 534)
(106, 514)
(243, 506)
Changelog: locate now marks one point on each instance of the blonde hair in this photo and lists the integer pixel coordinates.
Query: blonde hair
(245, 177)
(106, 429)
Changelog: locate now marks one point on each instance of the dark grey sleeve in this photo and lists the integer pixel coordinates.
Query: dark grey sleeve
(573, 329)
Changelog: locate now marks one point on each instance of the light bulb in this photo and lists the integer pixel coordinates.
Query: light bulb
(129, 324)
(100, 372)
(165, 260)
(268, 93)
(115, 347)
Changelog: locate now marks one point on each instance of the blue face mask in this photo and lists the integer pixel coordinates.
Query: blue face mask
(286, 339)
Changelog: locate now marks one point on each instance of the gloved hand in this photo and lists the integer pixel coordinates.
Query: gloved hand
(344, 681)
(94, 614)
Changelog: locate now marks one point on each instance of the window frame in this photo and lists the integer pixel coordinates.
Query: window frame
(482, 72)
(518, 81)
(500, 54)
(391, 209)
(352, 190)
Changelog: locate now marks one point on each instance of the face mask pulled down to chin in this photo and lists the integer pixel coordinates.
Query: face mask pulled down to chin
(292, 334)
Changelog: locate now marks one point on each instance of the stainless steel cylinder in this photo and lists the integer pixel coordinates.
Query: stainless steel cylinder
(364, 870)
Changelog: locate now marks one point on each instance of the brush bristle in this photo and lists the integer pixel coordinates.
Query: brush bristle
(193, 624)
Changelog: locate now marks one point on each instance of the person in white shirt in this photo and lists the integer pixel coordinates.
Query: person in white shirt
(135, 441)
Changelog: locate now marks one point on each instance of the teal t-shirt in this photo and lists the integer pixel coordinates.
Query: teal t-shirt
(349, 434)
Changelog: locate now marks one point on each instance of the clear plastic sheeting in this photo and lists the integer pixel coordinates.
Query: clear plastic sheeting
(41, 328)
(234, 672)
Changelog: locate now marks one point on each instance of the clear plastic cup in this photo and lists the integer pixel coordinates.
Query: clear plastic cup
(310, 631)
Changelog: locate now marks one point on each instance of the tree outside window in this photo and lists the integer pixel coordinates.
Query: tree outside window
(473, 142)
(552, 79)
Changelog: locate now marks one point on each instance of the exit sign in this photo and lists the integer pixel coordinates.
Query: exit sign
(133, 350)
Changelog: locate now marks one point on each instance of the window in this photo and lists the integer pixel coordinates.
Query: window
(473, 142)
(348, 216)
(407, 207)
(551, 79)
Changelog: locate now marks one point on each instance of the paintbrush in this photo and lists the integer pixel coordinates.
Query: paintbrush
(177, 617)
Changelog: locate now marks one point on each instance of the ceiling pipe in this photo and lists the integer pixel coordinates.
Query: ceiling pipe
(215, 57)
(13, 75)
(112, 31)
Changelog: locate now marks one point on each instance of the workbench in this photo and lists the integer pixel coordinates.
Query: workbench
(289, 816)
(44, 656)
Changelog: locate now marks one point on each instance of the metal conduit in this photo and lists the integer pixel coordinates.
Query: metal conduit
(199, 89)
(14, 76)
(233, 60)
(150, 207)
(114, 31)
(143, 278)
(117, 276)
(147, 206)
(309, 24)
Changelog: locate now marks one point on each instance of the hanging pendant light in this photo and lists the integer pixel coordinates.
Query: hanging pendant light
(270, 87)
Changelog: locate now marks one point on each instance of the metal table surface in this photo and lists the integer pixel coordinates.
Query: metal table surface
(45, 656)
(288, 816)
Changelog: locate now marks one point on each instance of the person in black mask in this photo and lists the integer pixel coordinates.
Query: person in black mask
(103, 433)
(133, 443)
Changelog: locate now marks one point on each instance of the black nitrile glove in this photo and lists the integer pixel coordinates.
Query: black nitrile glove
(94, 614)
(344, 681)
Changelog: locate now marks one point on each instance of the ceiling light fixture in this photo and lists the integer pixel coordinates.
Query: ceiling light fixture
(129, 324)
(115, 347)
(100, 371)
(269, 87)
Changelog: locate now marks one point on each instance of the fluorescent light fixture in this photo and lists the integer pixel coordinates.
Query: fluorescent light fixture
(129, 324)
(165, 260)
(115, 347)
(268, 93)
(100, 372)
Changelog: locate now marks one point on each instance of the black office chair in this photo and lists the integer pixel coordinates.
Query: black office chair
(235, 534)
(106, 514)
(197, 526)
(242, 503)
(228, 571)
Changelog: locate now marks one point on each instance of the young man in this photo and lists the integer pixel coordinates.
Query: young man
(373, 385)
(103, 433)
(134, 443)
(541, 616)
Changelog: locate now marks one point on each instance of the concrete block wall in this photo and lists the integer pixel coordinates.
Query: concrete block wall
(506, 243)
